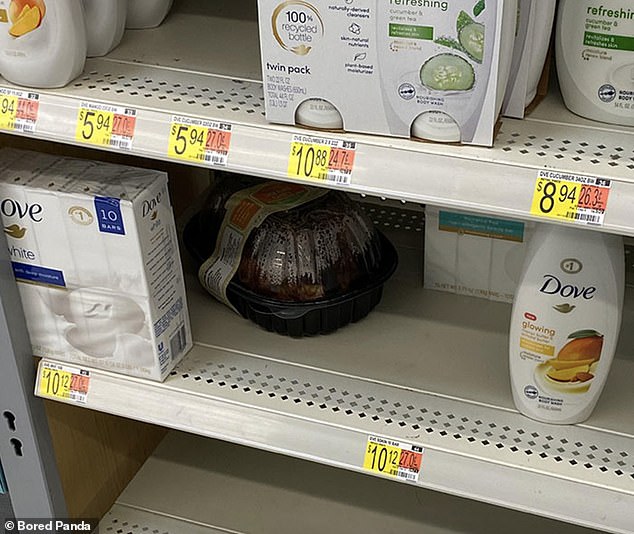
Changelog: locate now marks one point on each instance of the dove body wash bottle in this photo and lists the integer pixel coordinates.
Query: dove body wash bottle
(565, 322)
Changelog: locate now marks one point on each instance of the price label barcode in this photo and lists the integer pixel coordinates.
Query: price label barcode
(105, 126)
(393, 458)
(63, 382)
(575, 198)
(199, 141)
(317, 158)
(18, 110)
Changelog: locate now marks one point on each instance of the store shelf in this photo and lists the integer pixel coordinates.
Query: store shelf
(196, 486)
(203, 63)
(425, 368)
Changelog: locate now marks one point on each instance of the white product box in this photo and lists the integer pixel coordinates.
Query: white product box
(95, 253)
(532, 40)
(424, 68)
(473, 255)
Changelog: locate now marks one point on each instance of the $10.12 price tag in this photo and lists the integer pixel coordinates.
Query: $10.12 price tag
(318, 158)
(63, 382)
(199, 141)
(105, 126)
(18, 110)
(393, 458)
(571, 197)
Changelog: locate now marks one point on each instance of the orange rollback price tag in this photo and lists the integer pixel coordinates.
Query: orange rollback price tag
(322, 159)
(199, 141)
(18, 110)
(393, 458)
(575, 198)
(63, 382)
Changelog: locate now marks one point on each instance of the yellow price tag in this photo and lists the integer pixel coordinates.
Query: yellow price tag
(308, 160)
(8, 111)
(382, 458)
(187, 142)
(555, 199)
(64, 383)
(94, 126)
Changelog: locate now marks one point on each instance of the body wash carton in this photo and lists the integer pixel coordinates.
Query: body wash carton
(94, 250)
(428, 69)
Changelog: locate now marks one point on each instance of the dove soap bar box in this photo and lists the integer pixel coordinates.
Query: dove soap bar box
(475, 255)
(95, 253)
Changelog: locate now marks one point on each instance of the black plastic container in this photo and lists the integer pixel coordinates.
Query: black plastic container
(298, 319)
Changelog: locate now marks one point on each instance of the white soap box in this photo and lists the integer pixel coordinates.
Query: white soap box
(94, 250)
(474, 255)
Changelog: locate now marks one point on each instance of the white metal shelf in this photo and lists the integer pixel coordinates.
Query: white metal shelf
(425, 368)
(196, 486)
(204, 63)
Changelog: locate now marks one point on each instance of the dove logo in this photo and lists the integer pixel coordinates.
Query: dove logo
(22, 210)
(150, 205)
(553, 286)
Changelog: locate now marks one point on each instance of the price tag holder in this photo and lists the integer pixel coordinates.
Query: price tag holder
(63, 382)
(393, 458)
(104, 125)
(199, 141)
(321, 159)
(571, 197)
(18, 110)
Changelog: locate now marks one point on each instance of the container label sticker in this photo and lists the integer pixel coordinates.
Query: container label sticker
(571, 197)
(321, 159)
(393, 458)
(199, 141)
(63, 382)
(246, 210)
(104, 125)
(18, 110)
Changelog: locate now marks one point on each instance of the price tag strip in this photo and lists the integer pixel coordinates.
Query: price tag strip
(105, 125)
(18, 110)
(393, 458)
(63, 382)
(571, 197)
(321, 159)
(199, 141)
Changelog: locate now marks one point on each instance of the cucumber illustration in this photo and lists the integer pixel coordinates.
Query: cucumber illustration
(471, 38)
(447, 72)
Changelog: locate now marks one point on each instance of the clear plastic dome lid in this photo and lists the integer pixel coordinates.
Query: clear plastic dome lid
(320, 250)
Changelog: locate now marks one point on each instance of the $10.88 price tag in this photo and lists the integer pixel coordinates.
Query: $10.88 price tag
(199, 141)
(317, 158)
(571, 197)
(106, 126)
(63, 382)
(18, 110)
(393, 458)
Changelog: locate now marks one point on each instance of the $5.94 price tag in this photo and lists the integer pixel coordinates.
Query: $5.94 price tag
(393, 458)
(106, 126)
(199, 141)
(318, 158)
(571, 197)
(18, 110)
(63, 382)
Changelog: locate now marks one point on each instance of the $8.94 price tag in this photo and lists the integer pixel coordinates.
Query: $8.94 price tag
(317, 158)
(571, 197)
(63, 382)
(106, 126)
(18, 110)
(393, 458)
(199, 141)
